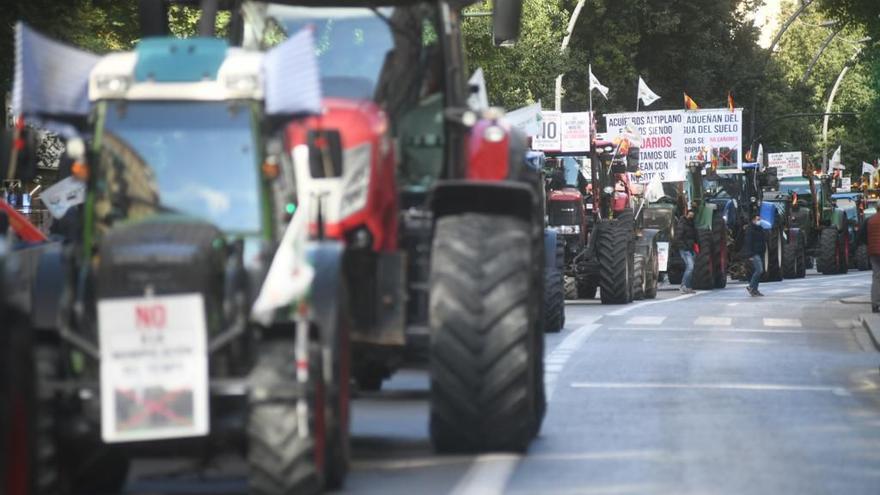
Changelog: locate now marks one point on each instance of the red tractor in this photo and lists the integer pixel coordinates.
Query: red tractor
(621, 255)
(568, 215)
(441, 215)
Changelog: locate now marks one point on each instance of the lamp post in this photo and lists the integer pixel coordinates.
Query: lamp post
(822, 49)
(849, 64)
(772, 49)
(571, 22)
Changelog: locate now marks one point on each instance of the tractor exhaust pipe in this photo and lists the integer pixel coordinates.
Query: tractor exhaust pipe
(208, 20)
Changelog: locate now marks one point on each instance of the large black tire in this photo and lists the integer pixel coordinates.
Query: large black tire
(828, 259)
(719, 252)
(615, 253)
(485, 352)
(554, 301)
(704, 269)
(790, 258)
(281, 460)
(773, 261)
(863, 261)
(803, 259)
(844, 252)
(639, 279)
(653, 275)
(570, 288)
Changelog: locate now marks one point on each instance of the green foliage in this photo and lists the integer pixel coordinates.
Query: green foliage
(525, 72)
(857, 93)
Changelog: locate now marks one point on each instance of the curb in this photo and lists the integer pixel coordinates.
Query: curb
(871, 323)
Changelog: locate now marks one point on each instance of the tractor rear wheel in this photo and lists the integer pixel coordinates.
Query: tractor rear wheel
(554, 301)
(282, 457)
(719, 252)
(704, 273)
(844, 252)
(828, 261)
(653, 274)
(863, 261)
(586, 289)
(774, 257)
(570, 288)
(639, 279)
(484, 352)
(790, 258)
(615, 243)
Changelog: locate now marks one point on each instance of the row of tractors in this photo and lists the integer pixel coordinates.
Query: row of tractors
(350, 190)
(807, 225)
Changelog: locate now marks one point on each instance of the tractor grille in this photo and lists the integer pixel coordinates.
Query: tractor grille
(167, 257)
(565, 212)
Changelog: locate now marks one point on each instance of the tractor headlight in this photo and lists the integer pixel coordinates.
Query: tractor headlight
(112, 84)
(608, 190)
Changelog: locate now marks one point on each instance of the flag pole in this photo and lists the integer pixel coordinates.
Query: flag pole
(590, 91)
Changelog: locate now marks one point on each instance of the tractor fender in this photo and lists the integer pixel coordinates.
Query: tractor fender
(326, 259)
(33, 280)
(513, 198)
(550, 249)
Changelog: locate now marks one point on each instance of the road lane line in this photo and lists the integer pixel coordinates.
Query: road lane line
(782, 322)
(835, 332)
(646, 320)
(760, 387)
(488, 475)
(792, 290)
(555, 362)
(713, 321)
(626, 309)
(843, 323)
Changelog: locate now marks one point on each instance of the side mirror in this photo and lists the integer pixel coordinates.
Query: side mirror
(506, 18)
(325, 153)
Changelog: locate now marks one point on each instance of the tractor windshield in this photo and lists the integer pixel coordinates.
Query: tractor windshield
(193, 158)
(355, 45)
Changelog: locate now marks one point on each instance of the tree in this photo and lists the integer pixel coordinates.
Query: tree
(526, 72)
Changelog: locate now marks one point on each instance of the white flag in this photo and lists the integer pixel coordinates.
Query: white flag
(654, 191)
(645, 94)
(290, 274)
(868, 169)
(479, 98)
(595, 84)
(835, 164)
(760, 157)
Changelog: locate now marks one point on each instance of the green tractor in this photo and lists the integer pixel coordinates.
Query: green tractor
(823, 225)
(154, 330)
(710, 263)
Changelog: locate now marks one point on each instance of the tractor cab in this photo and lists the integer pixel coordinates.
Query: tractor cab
(612, 162)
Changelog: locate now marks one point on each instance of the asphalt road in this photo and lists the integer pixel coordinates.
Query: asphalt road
(708, 394)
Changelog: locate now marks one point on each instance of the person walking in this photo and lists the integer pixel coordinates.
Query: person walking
(756, 239)
(869, 234)
(687, 238)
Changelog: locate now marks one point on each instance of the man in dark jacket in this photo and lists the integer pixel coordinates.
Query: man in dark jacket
(686, 233)
(754, 249)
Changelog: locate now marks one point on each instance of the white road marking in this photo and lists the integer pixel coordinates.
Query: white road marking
(713, 340)
(843, 323)
(792, 290)
(782, 322)
(488, 475)
(646, 320)
(728, 330)
(762, 387)
(732, 304)
(626, 309)
(555, 362)
(713, 321)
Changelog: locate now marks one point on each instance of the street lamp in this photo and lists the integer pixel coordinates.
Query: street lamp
(833, 94)
(776, 39)
(821, 49)
(574, 15)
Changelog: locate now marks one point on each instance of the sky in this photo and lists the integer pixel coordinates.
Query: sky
(766, 19)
